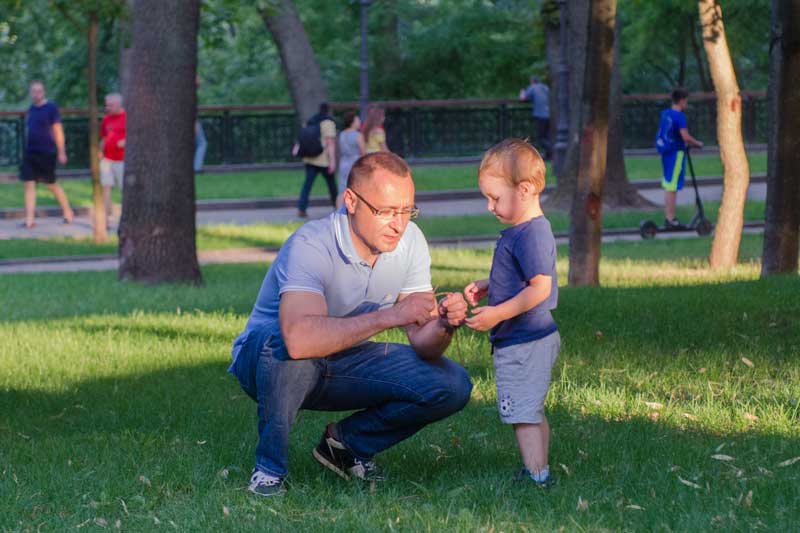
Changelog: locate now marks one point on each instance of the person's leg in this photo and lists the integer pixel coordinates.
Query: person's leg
(280, 388)
(544, 136)
(30, 202)
(61, 197)
(670, 199)
(534, 444)
(200, 146)
(106, 181)
(672, 167)
(330, 178)
(398, 394)
(311, 174)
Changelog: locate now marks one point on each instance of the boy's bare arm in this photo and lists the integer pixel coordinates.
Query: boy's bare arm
(688, 139)
(536, 292)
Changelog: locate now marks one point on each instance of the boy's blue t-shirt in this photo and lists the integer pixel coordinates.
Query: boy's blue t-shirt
(669, 131)
(40, 127)
(523, 252)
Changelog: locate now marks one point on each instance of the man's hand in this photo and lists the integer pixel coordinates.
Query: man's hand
(453, 309)
(476, 291)
(483, 318)
(415, 308)
(62, 157)
(121, 143)
(331, 168)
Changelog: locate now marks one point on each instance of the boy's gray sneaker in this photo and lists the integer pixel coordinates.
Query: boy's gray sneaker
(525, 475)
(333, 455)
(262, 484)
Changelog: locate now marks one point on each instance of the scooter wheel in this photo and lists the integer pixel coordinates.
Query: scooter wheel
(704, 228)
(648, 229)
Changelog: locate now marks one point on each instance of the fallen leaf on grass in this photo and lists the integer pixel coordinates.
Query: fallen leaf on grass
(689, 417)
(748, 500)
(598, 335)
(201, 442)
(748, 362)
(789, 462)
(654, 405)
(118, 524)
(702, 370)
(689, 483)
(146, 481)
(583, 505)
(226, 511)
(564, 468)
(635, 507)
(719, 448)
(654, 416)
(223, 473)
(722, 457)
(751, 417)
(102, 522)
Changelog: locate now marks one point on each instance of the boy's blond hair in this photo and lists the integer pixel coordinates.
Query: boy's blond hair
(516, 161)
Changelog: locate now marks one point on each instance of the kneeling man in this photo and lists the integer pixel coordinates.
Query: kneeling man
(335, 283)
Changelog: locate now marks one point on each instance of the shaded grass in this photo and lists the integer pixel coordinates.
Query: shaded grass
(280, 183)
(232, 236)
(115, 405)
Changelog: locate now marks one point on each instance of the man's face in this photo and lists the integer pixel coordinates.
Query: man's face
(385, 191)
(37, 93)
(683, 104)
(113, 105)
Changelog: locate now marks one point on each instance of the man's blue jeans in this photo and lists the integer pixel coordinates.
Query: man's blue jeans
(397, 392)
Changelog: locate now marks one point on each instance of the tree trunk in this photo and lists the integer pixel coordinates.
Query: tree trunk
(782, 228)
(698, 57)
(157, 229)
(99, 214)
(550, 17)
(728, 233)
(586, 224)
(297, 57)
(125, 49)
(578, 17)
(619, 192)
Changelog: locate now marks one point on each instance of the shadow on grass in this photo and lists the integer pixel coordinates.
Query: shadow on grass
(163, 442)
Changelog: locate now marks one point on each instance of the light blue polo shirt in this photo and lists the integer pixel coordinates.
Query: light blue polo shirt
(320, 257)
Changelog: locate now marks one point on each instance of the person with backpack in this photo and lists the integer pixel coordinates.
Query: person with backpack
(316, 144)
(671, 142)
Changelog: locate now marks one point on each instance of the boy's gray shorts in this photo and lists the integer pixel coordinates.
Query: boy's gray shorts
(523, 378)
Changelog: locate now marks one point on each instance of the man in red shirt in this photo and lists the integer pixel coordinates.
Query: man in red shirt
(112, 143)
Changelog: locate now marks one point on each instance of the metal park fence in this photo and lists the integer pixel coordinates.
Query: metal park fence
(415, 129)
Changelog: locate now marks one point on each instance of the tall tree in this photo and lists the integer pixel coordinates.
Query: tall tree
(85, 16)
(300, 65)
(619, 192)
(782, 228)
(728, 234)
(157, 228)
(586, 223)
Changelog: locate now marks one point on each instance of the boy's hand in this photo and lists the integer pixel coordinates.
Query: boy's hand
(453, 309)
(483, 318)
(476, 291)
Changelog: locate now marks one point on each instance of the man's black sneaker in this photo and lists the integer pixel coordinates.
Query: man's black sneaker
(262, 484)
(332, 454)
(525, 475)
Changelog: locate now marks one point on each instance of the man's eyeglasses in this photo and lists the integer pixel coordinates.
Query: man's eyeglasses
(388, 213)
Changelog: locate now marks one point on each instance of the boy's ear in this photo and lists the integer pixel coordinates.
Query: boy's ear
(526, 188)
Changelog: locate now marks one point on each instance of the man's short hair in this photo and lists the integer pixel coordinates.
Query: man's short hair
(365, 167)
(679, 94)
(323, 108)
(534, 79)
(115, 96)
(36, 82)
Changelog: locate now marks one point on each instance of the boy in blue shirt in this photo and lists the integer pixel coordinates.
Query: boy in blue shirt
(671, 140)
(522, 289)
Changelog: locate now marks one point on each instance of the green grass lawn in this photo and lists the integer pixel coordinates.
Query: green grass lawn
(674, 406)
(230, 236)
(280, 183)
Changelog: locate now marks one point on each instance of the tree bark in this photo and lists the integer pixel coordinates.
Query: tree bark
(698, 57)
(782, 227)
(157, 228)
(619, 192)
(587, 207)
(728, 233)
(578, 16)
(550, 16)
(300, 66)
(99, 215)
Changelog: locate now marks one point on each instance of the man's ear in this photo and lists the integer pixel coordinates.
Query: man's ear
(349, 200)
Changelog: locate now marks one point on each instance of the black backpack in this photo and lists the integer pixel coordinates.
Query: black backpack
(309, 139)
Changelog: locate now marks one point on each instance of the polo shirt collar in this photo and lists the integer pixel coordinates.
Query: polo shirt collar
(341, 228)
